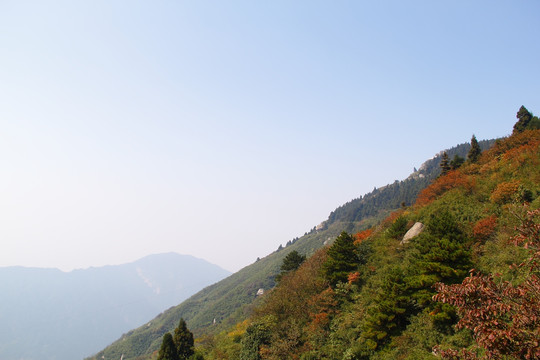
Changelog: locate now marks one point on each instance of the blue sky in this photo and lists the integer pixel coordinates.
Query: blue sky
(223, 129)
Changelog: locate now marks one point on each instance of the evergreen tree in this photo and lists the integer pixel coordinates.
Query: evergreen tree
(535, 123)
(524, 118)
(475, 151)
(398, 228)
(440, 255)
(292, 261)
(168, 349)
(445, 163)
(183, 339)
(342, 259)
(456, 162)
(389, 314)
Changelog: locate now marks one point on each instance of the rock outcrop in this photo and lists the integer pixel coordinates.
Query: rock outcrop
(413, 231)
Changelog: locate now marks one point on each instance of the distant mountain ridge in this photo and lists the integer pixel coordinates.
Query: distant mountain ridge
(223, 304)
(50, 314)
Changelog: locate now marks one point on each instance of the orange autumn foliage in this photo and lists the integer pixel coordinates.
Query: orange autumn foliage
(504, 192)
(484, 228)
(392, 217)
(322, 310)
(529, 137)
(353, 277)
(453, 179)
(520, 154)
(321, 305)
(362, 235)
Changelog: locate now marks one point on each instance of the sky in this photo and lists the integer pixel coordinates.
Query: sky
(222, 129)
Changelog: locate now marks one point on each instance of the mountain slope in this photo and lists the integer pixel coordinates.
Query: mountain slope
(392, 196)
(383, 307)
(50, 314)
(219, 306)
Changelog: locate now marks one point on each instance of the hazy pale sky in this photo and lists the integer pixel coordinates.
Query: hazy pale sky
(222, 129)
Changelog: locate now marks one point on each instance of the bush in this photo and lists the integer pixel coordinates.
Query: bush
(484, 228)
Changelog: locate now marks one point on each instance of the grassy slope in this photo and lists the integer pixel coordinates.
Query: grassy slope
(230, 300)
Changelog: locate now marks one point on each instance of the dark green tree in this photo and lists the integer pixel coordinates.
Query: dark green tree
(398, 228)
(535, 123)
(183, 339)
(291, 262)
(342, 259)
(475, 151)
(456, 162)
(168, 348)
(390, 311)
(441, 256)
(445, 163)
(524, 118)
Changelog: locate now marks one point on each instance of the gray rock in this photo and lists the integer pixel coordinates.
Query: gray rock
(413, 231)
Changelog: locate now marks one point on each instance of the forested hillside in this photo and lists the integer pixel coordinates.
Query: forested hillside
(221, 305)
(383, 293)
(375, 205)
(372, 297)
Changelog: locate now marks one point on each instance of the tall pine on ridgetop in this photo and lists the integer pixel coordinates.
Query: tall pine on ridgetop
(475, 151)
(445, 163)
(526, 121)
(524, 118)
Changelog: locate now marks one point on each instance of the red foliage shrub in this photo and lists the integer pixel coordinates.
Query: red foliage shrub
(453, 179)
(520, 154)
(361, 236)
(392, 217)
(322, 308)
(505, 318)
(484, 228)
(514, 141)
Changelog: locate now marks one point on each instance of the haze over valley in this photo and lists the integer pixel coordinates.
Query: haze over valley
(50, 314)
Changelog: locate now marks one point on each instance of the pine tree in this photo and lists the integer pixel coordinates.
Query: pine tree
(342, 259)
(445, 163)
(390, 312)
(168, 349)
(524, 118)
(292, 261)
(441, 255)
(475, 151)
(183, 339)
(456, 162)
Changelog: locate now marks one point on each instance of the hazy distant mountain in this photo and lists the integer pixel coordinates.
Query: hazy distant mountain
(50, 314)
